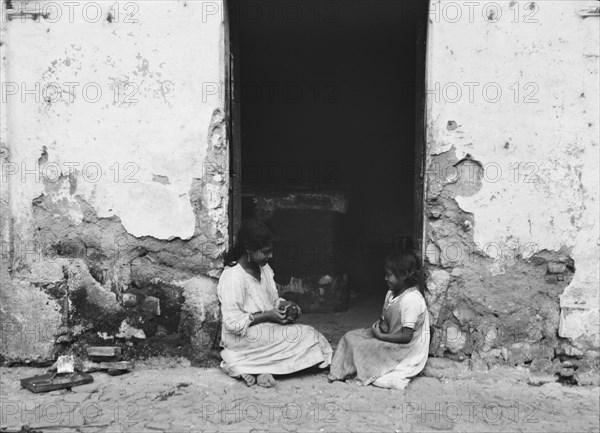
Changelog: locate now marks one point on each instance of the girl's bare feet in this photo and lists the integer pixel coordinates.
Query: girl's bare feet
(265, 380)
(249, 379)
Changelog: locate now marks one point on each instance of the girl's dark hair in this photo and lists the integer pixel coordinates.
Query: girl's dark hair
(403, 262)
(253, 235)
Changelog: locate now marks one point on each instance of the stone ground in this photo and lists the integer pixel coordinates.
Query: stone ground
(170, 395)
(167, 394)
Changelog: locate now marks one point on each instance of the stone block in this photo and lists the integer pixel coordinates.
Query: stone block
(540, 350)
(567, 371)
(438, 282)
(587, 372)
(556, 267)
(587, 378)
(65, 364)
(103, 351)
(30, 321)
(519, 353)
(542, 366)
(455, 338)
(541, 379)
(127, 331)
(129, 300)
(568, 349)
(200, 315)
(151, 305)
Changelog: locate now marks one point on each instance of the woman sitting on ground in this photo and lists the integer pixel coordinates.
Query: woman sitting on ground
(257, 337)
(395, 348)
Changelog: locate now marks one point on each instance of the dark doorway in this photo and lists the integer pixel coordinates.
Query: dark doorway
(330, 108)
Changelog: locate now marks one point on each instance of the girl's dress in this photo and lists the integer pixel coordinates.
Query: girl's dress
(388, 365)
(265, 347)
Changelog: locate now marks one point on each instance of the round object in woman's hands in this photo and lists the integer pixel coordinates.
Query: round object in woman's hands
(292, 312)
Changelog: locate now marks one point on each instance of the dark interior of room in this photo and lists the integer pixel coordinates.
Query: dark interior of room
(327, 100)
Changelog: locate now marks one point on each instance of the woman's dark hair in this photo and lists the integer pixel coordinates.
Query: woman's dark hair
(253, 235)
(403, 262)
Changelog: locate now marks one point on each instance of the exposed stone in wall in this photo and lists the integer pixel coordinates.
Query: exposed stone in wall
(104, 249)
(101, 282)
(509, 316)
(24, 340)
(201, 316)
(512, 244)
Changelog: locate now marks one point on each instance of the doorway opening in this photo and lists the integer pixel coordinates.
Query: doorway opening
(327, 122)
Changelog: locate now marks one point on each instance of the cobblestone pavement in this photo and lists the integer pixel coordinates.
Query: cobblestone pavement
(181, 398)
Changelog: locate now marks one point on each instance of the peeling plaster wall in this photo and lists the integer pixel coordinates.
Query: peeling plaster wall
(512, 237)
(115, 174)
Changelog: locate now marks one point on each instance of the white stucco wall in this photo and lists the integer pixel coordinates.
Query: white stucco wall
(113, 119)
(162, 54)
(537, 140)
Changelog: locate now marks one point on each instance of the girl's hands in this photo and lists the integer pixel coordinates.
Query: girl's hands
(377, 332)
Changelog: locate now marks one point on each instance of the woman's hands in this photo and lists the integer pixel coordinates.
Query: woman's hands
(292, 310)
(277, 315)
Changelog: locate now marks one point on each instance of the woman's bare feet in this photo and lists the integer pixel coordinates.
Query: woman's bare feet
(266, 380)
(250, 379)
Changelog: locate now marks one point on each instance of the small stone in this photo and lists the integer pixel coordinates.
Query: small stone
(567, 349)
(103, 351)
(324, 280)
(161, 331)
(541, 379)
(566, 372)
(541, 366)
(539, 350)
(588, 378)
(455, 338)
(152, 305)
(556, 267)
(519, 353)
(127, 331)
(587, 372)
(467, 225)
(65, 364)
(129, 300)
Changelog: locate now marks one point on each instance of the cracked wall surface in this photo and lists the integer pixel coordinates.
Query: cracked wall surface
(511, 236)
(114, 177)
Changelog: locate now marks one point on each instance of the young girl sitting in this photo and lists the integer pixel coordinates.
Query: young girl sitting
(395, 348)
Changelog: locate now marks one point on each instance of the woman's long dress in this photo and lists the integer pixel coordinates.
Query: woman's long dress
(380, 363)
(265, 347)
